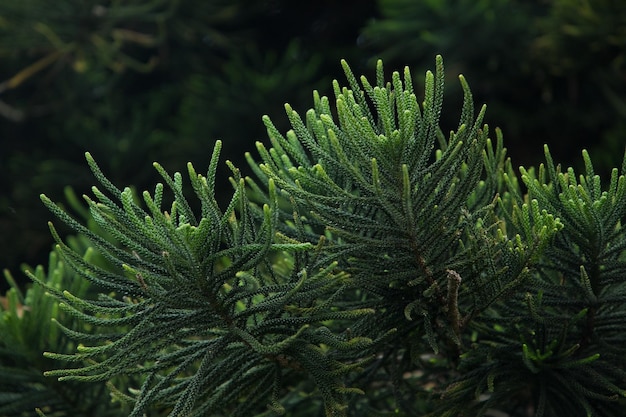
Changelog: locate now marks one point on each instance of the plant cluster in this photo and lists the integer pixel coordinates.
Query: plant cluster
(373, 265)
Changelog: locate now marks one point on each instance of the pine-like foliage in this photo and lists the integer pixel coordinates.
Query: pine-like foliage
(411, 215)
(581, 291)
(562, 336)
(374, 266)
(210, 310)
(29, 326)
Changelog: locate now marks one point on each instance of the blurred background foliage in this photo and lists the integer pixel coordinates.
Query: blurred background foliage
(550, 71)
(134, 81)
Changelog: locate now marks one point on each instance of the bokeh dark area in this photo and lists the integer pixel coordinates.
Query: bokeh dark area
(139, 81)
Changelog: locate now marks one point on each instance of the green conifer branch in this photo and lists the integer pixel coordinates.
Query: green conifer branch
(402, 220)
(372, 254)
(27, 326)
(561, 341)
(205, 304)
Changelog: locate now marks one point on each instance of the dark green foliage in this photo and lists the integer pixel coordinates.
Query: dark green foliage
(562, 335)
(374, 266)
(417, 230)
(215, 311)
(397, 217)
(30, 325)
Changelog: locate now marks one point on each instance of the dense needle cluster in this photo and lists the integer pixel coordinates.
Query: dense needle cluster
(373, 266)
